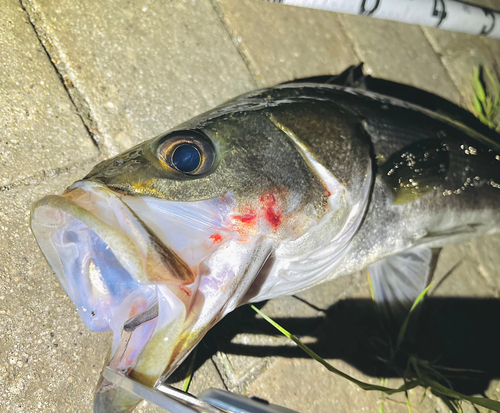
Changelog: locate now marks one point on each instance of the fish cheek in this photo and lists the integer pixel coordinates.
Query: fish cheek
(259, 162)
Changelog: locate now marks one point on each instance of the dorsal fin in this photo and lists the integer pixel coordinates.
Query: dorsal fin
(351, 77)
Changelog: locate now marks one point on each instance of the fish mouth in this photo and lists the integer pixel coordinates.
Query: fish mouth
(157, 273)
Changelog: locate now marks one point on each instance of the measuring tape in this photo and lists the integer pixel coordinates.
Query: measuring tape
(445, 14)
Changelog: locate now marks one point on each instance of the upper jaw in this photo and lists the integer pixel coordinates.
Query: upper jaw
(115, 260)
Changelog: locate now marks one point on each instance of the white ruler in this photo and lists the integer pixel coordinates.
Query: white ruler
(445, 14)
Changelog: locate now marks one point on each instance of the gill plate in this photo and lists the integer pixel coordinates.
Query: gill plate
(313, 256)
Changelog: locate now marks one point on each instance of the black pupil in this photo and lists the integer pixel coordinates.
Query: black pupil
(186, 158)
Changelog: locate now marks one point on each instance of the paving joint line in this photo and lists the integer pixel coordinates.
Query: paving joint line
(219, 373)
(61, 78)
(443, 65)
(352, 43)
(234, 41)
(42, 175)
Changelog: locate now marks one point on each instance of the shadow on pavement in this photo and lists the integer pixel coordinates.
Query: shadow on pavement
(459, 335)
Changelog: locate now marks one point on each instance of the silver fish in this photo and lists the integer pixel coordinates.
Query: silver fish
(273, 192)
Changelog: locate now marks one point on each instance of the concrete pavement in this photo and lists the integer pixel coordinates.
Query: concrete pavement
(80, 81)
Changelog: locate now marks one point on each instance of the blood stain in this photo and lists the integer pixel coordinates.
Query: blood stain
(216, 237)
(272, 211)
(246, 217)
(186, 290)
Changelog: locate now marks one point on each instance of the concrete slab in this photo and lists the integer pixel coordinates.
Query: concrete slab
(40, 128)
(476, 272)
(136, 69)
(281, 43)
(398, 52)
(205, 377)
(239, 370)
(485, 254)
(315, 390)
(307, 387)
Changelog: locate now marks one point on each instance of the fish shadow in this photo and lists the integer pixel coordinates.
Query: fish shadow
(458, 336)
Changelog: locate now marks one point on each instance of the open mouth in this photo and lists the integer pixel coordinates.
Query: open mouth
(158, 273)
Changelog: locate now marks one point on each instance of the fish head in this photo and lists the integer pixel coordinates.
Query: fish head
(160, 242)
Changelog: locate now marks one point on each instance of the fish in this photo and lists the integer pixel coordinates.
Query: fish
(268, 194)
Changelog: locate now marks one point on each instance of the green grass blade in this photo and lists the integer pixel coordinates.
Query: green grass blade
(408, 405)
(189, 377)
(404, 327)
(480, 401)
(383, 383)
(486, 97)
(449, 404)
(312, 354)
(477, 105)
(370, 286)
(488, 108)
(478, 85)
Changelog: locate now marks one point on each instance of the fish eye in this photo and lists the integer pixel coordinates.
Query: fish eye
(189, 152)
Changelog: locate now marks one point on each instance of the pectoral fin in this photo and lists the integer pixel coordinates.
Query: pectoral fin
(416, 169)
(397, 281)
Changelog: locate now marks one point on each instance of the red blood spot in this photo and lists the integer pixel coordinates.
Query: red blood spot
(272, 211)
(186, 290)
(246, 217)
(216, 237)
(328, 193)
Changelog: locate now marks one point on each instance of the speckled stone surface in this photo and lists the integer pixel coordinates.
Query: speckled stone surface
(135, 69)
(306, 386)
(285, 43)
(399, 52)
(40, 130)
(138, 68)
